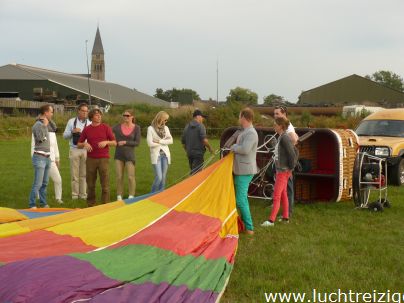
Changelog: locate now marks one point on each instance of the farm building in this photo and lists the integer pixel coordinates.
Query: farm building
(39, 84)
(353, 89)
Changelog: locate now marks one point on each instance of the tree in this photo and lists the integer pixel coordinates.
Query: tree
(273, 99)
(163, 95)
(388, 78)
(242, 95)
(184, 95)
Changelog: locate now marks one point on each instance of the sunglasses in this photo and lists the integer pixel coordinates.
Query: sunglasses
(125, 115)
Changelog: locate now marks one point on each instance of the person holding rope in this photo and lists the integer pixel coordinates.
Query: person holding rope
(195, 142)
(245, 165)
(158, 139)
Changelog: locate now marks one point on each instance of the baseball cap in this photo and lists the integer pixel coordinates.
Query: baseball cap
(197, 112)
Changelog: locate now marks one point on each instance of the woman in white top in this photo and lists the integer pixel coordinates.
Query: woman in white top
(158, 139)
(54, 173)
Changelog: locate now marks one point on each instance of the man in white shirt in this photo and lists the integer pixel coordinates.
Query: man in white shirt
(282, 111)
(77, 156)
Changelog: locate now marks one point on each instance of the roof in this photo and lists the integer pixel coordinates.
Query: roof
(97, 47)
(387, 114)
(354, 76)
(106, 91)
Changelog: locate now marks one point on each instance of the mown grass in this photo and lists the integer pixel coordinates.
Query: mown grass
(327, 246)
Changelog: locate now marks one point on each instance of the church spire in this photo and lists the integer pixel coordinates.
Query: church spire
(97, 58)
(97, 47)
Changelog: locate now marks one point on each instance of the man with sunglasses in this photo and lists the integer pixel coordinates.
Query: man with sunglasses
(282, 112)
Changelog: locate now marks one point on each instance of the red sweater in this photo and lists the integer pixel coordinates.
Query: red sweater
(94, 135)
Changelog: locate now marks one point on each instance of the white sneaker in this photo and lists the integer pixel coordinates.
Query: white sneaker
(45, 206)
(267, 224)
(131, 197)
(59, 201)
(33, 207)
(119, 197)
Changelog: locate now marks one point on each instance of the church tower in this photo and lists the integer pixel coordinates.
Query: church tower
(97, 59)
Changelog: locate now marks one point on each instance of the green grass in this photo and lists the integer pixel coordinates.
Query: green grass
(327, 246)
(17, 175)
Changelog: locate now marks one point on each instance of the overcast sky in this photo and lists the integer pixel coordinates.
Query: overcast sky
(271, 47)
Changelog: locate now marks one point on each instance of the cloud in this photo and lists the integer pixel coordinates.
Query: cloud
(280, 47)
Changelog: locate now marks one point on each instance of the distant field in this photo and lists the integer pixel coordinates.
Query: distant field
(327, 246)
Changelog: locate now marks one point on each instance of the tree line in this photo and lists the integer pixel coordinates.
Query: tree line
(247, 96)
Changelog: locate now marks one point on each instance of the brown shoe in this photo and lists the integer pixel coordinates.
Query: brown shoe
(249, 232)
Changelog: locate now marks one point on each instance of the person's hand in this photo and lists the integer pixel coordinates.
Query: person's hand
(120, 143)
(76, 130)
(88, 147)
(233, 147)
(102, 144)
(156, 141)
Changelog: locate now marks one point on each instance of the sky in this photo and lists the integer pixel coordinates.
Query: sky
(278, 47)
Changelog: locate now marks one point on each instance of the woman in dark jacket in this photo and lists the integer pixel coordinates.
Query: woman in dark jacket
(127, 136)
(285, 158)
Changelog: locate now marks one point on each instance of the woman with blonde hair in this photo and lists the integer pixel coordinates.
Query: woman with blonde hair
(127, 135)
(158, 139)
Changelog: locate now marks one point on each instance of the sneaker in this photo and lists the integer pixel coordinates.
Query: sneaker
(267, 223)
(45, 206)
(131, 197)
(33, 207)
(59, 201)
(84, 197)
(119, 197)
(284, 220)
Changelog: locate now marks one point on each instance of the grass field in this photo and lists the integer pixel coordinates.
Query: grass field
(327, 246)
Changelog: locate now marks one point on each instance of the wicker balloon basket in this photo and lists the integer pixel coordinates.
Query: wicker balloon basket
(326, 159)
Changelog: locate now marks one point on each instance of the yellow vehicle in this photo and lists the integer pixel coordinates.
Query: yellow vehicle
(382, 134)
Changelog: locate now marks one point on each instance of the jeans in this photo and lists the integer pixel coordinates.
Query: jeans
(41, 178)
(241, 183)
(160, 173)
(195, 163)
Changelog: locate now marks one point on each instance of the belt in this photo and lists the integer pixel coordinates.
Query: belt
(41, 154)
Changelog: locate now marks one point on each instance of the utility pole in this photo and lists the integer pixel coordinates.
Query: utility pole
(217, 81)
(88, 78)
